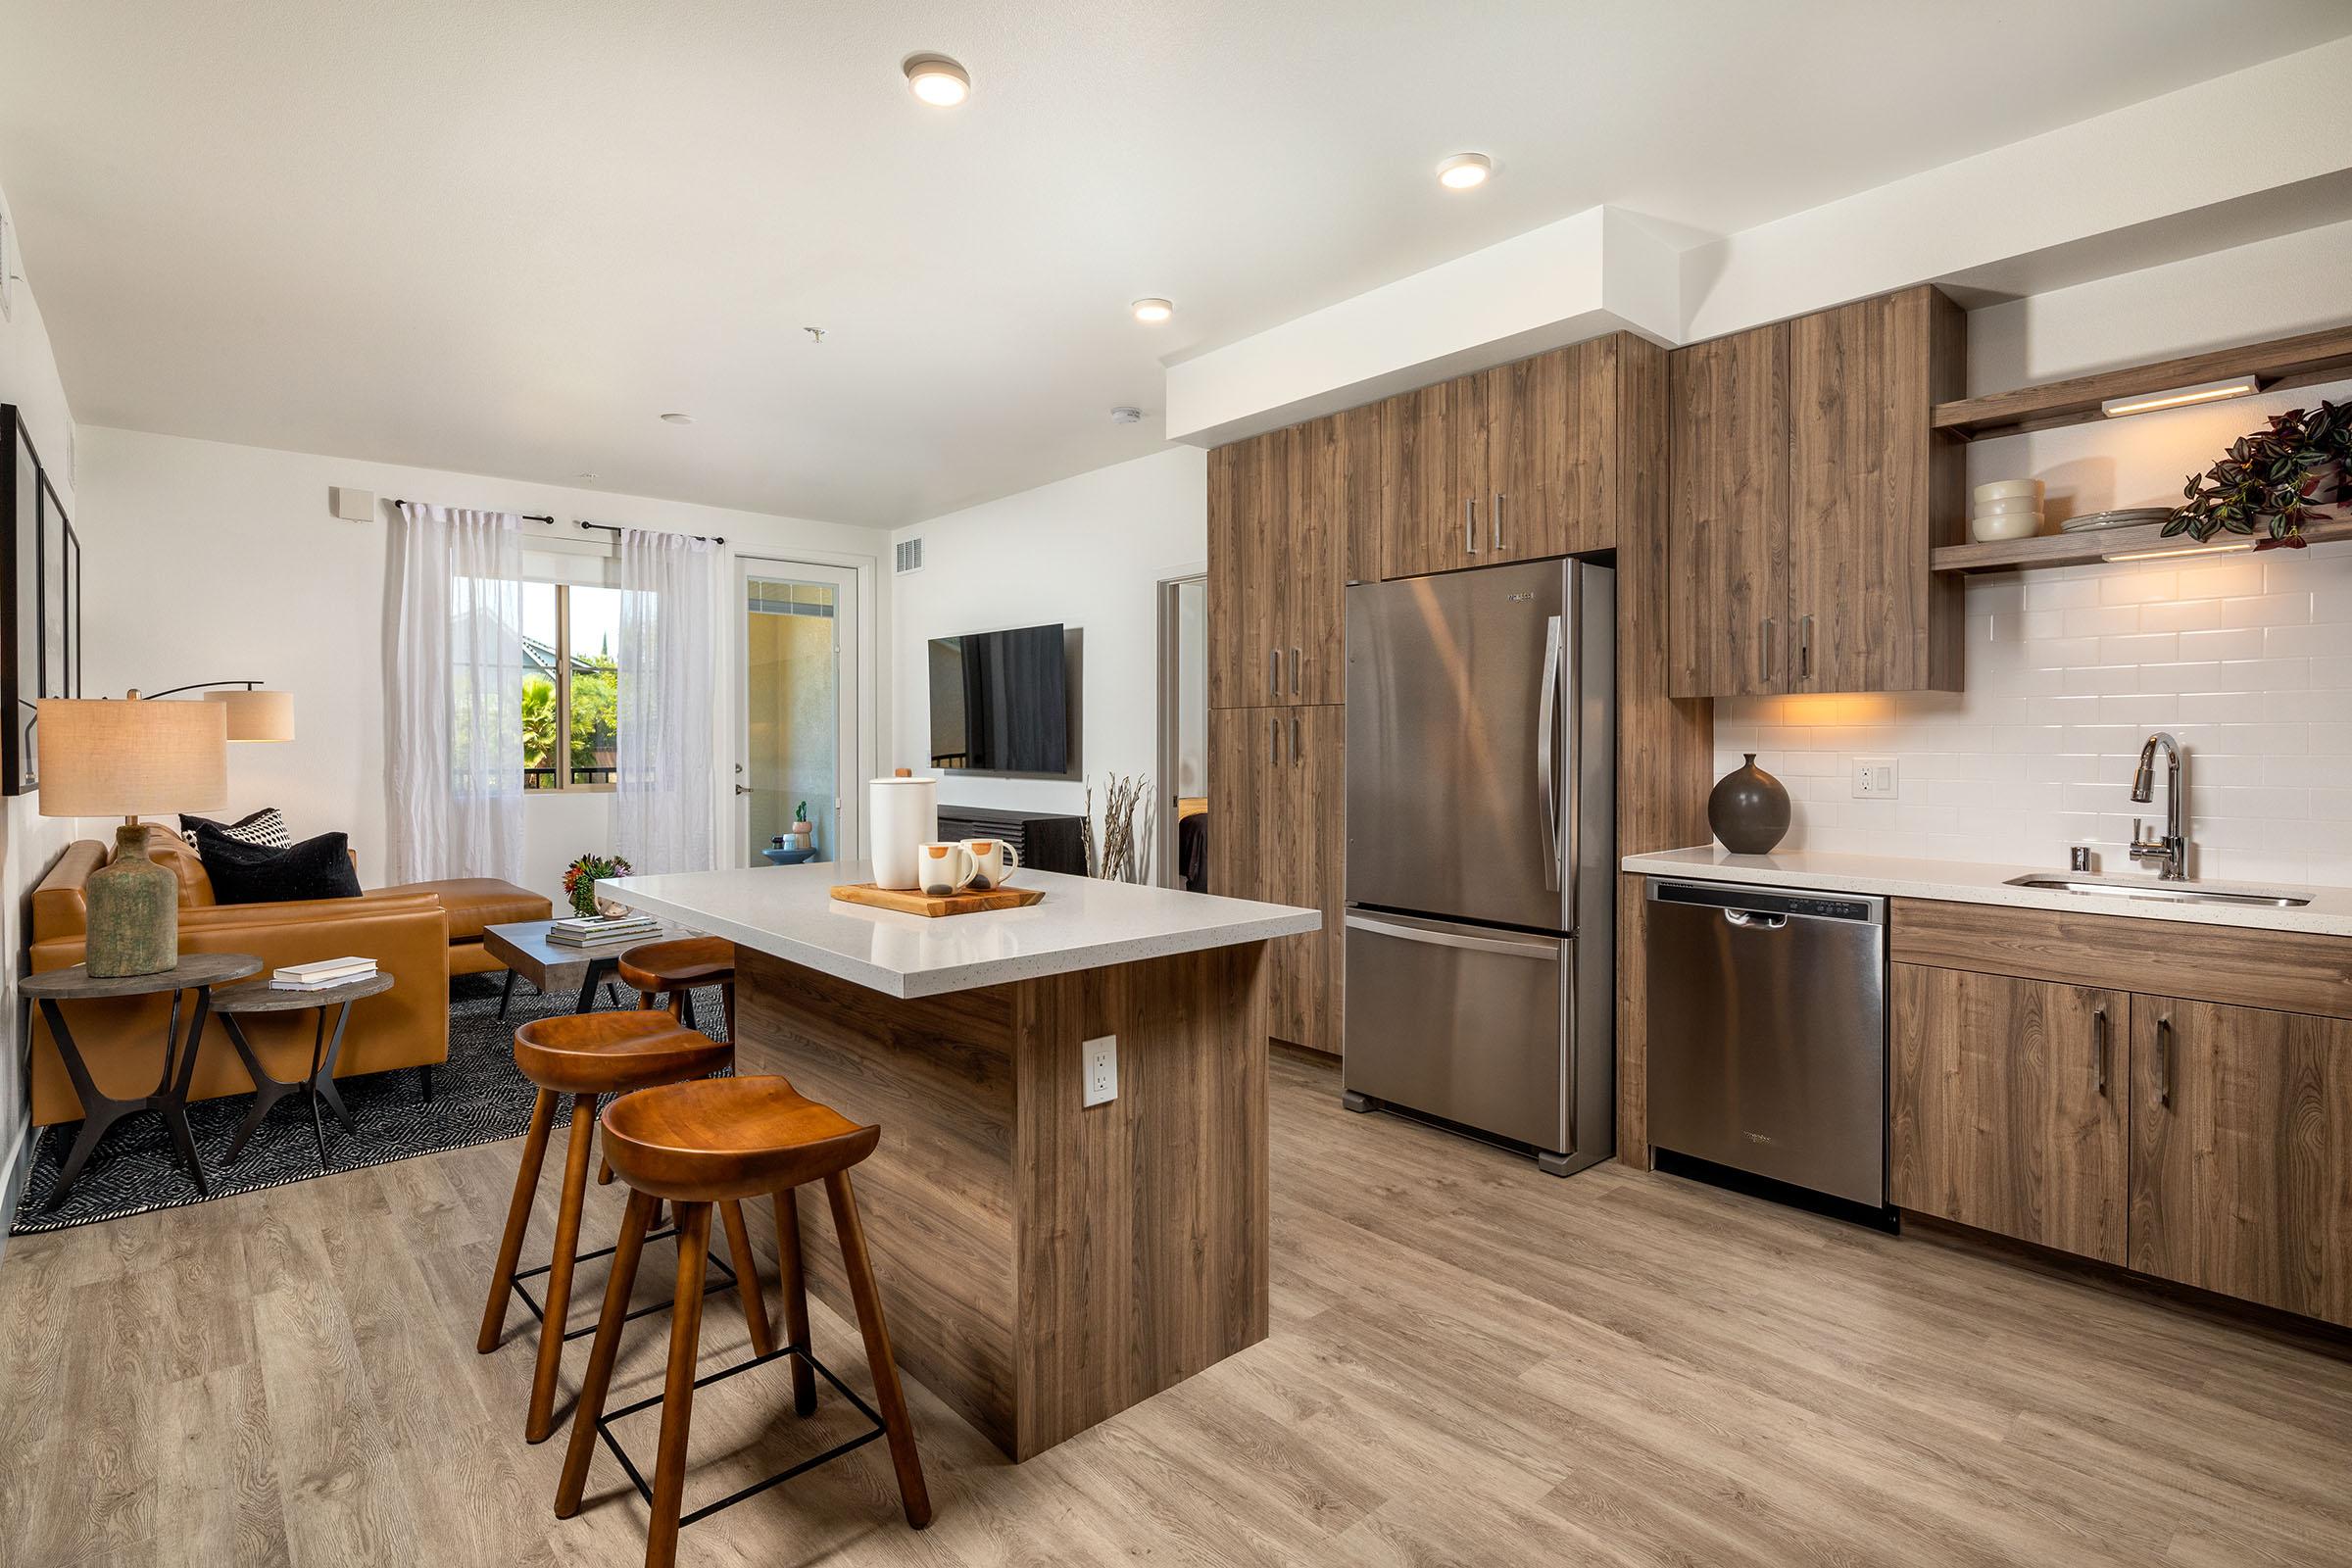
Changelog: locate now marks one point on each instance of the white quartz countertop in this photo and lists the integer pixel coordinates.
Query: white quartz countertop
(2328, 913)
(1081, 924)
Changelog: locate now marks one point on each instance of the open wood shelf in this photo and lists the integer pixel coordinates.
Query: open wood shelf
(2287, 362)
(2084, 548)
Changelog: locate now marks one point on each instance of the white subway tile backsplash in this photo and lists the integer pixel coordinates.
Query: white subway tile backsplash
(2247, 660)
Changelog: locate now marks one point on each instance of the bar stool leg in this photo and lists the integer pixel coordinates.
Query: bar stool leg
(541, 1421)
(747, 1278)
(793, 1285)
(914, 1497)
(634, 1223)
(519, 1220)
(677, 1390)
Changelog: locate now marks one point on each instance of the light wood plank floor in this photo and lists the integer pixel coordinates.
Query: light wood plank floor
(1471, 1363)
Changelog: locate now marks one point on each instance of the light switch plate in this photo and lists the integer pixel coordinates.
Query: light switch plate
(1101, 1070)
(1876, 779)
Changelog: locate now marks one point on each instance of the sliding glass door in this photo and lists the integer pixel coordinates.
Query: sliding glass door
(797, 736)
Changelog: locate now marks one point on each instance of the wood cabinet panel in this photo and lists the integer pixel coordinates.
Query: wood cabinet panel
(1316, 559)
(1416, 482)
(1237, 773)
(1729, 414)
(2242, 1152)
(1357, 483)
(1279, 543)
(1305, 852)
(1873, 490)
(1230, 634)
(2007, 1106)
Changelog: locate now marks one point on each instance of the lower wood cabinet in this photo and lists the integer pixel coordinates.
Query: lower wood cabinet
(1277, 832)
(2195, 1140)
(2007, 1106)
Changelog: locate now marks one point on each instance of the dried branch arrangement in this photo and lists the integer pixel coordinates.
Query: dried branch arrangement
(1121, 858)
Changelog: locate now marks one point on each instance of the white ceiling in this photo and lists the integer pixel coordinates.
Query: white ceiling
(503, 238)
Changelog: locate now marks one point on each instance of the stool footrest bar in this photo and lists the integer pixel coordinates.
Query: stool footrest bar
(723, 1280)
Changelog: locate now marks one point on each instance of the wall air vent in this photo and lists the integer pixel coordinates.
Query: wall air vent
(910, 555)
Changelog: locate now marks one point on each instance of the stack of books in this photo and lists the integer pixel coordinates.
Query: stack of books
(595, 930)
(323, 974)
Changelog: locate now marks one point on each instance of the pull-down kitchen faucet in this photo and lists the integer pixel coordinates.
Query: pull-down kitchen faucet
(2173, 848)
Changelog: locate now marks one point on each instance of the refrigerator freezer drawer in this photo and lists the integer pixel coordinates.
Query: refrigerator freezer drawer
(1462, 1022)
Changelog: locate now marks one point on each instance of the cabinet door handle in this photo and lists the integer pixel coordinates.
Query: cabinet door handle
(1273, 672)
(1470, 525)
(2163, 1062)
(2098, 1025)
(1274, 741)
(1804, 649)
(1294, 673)
(1764, 653)
(1297, 753)
(1497, 520)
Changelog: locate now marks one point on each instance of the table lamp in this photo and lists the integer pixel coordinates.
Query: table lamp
(122, 759)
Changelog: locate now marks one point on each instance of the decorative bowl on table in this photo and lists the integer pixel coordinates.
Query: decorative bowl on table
(787, 856)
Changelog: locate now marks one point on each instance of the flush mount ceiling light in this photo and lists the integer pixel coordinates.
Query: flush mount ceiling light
(938, 80)
(1154, 312)
(1465, 171)
(2237, 386)
(1124, 415)
(677, 418)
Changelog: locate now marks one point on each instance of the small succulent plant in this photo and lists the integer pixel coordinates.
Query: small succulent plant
(2271, 479)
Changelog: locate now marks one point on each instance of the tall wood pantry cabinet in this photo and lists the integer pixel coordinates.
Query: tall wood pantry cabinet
(1807, 490)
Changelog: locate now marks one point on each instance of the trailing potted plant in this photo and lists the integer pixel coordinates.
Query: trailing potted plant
(581, 877)
(2272, 479)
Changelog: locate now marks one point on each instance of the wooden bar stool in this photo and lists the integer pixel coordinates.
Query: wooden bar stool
(719, 1141)
(677, 966)
(584, 1055)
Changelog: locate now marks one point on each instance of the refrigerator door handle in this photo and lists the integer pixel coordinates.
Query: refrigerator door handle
(1547, 785)
(1546, 949)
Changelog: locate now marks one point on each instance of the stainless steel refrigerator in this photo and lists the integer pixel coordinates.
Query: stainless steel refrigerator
(1482, 855)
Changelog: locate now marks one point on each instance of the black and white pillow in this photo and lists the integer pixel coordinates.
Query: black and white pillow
(266, 827)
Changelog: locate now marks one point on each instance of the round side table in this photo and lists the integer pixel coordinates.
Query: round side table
(196, 972)
(248, 1000)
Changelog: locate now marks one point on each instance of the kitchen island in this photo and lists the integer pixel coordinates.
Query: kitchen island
(1044, 1263)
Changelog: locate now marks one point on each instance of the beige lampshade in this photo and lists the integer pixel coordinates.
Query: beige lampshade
(132, 758)
(257, 716)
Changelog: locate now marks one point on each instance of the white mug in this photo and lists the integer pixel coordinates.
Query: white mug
(942, 868)
(993, 862)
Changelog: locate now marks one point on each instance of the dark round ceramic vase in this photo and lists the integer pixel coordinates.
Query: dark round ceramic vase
(1748, 809)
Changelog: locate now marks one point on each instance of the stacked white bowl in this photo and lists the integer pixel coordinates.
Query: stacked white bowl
(2007, 508)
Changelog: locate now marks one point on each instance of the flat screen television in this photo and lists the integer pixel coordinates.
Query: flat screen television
(1000, 702)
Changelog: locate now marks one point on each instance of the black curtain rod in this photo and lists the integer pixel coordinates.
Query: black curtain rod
(609, 527)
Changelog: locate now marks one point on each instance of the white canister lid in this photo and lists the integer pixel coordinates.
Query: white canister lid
(905, 776)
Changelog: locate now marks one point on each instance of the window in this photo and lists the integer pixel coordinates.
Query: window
(570, 686)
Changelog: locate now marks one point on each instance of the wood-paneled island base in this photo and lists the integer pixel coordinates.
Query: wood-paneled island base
(1044, 1264)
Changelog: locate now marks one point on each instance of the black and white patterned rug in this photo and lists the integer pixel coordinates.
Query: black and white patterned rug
(477, 1098)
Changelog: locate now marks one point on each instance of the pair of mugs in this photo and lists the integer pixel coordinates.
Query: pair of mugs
(974, 864)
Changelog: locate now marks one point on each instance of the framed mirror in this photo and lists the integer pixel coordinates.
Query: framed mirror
(40, 602)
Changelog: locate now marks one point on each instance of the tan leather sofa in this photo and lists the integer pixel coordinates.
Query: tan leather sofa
(419, 935)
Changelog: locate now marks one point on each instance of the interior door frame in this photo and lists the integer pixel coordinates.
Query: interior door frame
(1163, 833)
(859, 712)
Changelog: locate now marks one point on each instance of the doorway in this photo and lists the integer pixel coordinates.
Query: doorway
(797, 731)
(1181, 857)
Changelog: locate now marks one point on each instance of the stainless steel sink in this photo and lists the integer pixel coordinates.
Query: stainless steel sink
(2164, 891)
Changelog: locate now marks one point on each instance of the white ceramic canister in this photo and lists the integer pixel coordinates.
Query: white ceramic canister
(902, 812)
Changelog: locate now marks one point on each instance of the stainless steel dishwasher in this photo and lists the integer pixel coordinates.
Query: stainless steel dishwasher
(1768, 1033)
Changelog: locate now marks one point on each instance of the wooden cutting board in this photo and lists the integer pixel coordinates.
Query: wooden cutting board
(910, 901)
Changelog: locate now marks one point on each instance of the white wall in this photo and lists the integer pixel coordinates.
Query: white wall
(211, 562)
(2248, 659)
(1087, 552)
(29, 840)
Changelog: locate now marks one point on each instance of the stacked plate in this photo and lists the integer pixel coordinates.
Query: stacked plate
(2122, 517)
(2007, 508)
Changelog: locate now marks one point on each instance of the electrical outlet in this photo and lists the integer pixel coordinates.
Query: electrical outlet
(1101, 1070)
(1876, 779)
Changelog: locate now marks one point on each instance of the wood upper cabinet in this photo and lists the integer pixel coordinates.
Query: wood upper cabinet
(2006, 1106)
(1808, 491)
(1277, 832)
(2242, 1152)
(1280, 536)
(1421, 499)
(1727, 487)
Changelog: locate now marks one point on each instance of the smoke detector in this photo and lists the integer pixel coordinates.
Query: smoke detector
(1123, 414)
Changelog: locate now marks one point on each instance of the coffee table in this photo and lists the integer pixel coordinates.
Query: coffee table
(552, 967)
(196, 972)
(319, 1085)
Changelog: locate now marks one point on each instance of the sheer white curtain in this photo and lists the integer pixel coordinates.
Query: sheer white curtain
(671, 611)
(455, 704)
